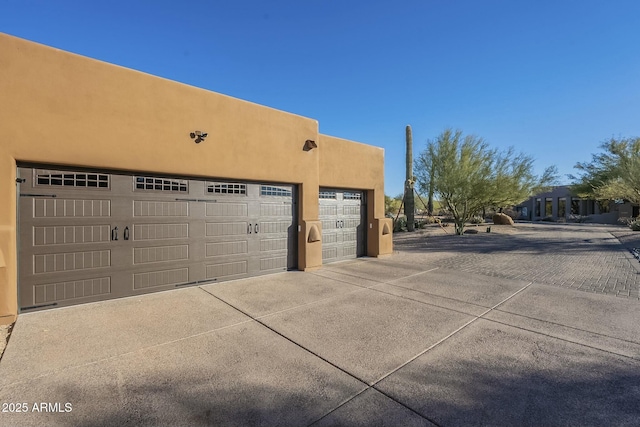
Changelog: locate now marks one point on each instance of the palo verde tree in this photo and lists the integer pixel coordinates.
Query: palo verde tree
(392, 204)
(514, 181)
(467, 175)
(611, 174)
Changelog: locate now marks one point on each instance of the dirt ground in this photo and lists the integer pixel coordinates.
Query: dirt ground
(627, 237)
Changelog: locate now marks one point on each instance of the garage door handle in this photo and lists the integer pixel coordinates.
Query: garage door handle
(337, 224)
(114, 234)
(257, 228)
(341, 224)
(249, 229)
(126, 233)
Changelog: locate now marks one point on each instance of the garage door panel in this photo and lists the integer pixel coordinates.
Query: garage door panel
(329, 224)
(274, 227)
(273, 263)
(70, 208)
(227, 209)
(162, 231)
(56, 235)
(329, 238)
(71, 290)
(235, 247)
(70, 261)
(231, 228)
(271, 245)
(349, 250)
(327, 211)
(350, 236)
(227, 269)
(150, 208)
(276, 209)
(166, 253)
(329, 254)
(160, 278)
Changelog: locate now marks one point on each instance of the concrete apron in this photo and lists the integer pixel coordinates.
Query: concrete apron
(366, 342)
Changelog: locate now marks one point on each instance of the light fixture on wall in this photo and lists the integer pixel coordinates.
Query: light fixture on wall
(309, 145)
(198, 136)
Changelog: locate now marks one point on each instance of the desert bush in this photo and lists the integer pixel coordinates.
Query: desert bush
(635, 224)
(476, 220)
(423, 222)
(625, 220)
(400, 224)
(429, 220)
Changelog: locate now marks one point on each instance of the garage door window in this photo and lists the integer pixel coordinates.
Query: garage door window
(161, 184)
(352, 196)
(328, 195)
(267, 190)
(70, 179)
(226, 188)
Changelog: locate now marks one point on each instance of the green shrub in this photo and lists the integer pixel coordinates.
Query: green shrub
(635, 224)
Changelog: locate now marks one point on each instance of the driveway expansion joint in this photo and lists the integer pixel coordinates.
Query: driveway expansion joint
(367, 386)
(475, 318)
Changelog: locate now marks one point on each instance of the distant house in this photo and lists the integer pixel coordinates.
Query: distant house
(560, 205)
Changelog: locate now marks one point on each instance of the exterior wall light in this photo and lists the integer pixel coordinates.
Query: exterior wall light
(198, 136)
(309, 145)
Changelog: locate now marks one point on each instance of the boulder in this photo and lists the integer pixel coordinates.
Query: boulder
(502, 219)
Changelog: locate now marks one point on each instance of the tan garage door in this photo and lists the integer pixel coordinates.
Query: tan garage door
(343, 217)
(87, 236)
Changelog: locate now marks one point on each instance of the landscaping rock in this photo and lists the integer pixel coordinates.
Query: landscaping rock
(502, 219)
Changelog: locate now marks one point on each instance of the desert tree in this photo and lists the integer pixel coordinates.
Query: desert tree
(613, 173)
(467, 175)
(514, 180)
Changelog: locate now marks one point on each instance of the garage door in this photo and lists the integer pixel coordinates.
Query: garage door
(88, 236)
(343, 217)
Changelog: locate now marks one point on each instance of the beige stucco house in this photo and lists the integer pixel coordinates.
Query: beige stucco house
(116, 183)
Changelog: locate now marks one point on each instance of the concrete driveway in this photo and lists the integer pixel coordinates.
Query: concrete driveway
(532, 326)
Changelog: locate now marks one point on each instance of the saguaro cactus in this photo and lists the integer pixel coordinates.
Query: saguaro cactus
(409, 203)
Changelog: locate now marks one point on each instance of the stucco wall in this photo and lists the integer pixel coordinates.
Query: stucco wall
(349, 164)
(62, 108)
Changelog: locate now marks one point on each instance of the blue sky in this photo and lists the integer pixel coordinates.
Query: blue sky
(551, 78)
